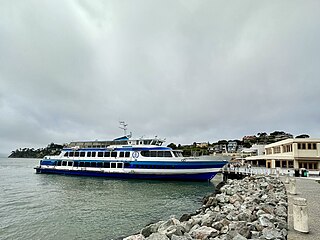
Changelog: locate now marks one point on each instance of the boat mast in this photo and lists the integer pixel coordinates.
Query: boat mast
(123, 126)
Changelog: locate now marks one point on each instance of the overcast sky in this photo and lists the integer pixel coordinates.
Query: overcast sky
(189, 70)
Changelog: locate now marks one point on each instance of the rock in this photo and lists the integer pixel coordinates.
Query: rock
(255, 234)
(221, 198)
(224, 229)
(135, 237)
(281, 211)
(212, 201)
(265, 222)
(204, 233)
(185, 217)
(164, 225)
(186, 226)
(152, 228)
(173, 230)
(184, 237)
(235, 198)
(157, 236)
(271, 233)
(217, 225)
(239, 237)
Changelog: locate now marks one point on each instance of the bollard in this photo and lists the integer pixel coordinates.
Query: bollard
(292, 186)
(277, 172)
(287, 179)
(300, 215)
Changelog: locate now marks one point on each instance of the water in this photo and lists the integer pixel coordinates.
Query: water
(40, 206)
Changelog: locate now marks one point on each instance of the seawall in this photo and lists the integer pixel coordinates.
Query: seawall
(252, 208)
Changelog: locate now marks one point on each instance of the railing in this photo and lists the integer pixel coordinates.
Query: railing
(264, 171)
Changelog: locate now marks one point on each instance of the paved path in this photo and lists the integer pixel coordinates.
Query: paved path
(307, 188)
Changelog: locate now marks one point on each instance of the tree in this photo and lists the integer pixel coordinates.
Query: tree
(172, 145)
(303, 136)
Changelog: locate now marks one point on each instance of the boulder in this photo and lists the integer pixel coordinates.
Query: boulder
(157, 236)
(204, 233)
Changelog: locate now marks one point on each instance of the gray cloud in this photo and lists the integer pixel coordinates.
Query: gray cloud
(185, 70)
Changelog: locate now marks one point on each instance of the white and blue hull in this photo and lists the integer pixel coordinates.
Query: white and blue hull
(127, 162)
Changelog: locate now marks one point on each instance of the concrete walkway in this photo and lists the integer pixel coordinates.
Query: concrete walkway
(309, 189)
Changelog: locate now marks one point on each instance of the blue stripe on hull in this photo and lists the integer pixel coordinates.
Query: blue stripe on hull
(190, 177)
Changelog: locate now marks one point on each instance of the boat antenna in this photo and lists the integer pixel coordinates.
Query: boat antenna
(123, 126)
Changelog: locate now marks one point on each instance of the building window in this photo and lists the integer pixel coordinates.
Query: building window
(277, 149)
(268, 151)
(287, 148)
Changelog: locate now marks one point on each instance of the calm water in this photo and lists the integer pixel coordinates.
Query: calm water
(39, 206)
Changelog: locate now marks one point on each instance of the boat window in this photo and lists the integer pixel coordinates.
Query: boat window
(121, 154)
(66, 154)
(82, 154)
(177, 154)
(81, 164)
(70, 154)
(106, 165)
(99, 164)
(126, 165)
(87, 164)
(114, 154)
(75, 164)
(100, 154)
(58, 163)
(93, 154)
(88, 154)
(167, 154)
(160, 153)
(145, 153)
(113, 165)
(153, 153)
(93, 164)
(120, 165)
(127, 154)
(64, 163)
(106, 154)
(70, 164)
(76, 154)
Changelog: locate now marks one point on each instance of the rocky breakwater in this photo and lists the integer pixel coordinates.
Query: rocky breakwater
(252, 208)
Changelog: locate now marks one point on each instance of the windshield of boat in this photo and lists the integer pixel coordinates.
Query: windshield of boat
(177, 153)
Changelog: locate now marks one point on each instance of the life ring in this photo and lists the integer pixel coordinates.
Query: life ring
(135, 154)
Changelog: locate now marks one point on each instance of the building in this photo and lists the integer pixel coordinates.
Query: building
(232, 146)
(220, 148)
(290, 153)
(202, 144)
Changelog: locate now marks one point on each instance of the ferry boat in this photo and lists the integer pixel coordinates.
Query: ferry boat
(127, 158)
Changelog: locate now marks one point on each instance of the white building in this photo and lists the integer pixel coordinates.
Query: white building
(290, 153)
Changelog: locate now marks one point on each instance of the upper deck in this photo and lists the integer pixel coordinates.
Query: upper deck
(122, 141)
